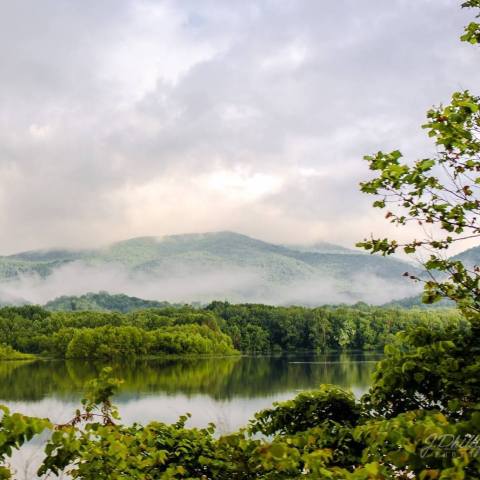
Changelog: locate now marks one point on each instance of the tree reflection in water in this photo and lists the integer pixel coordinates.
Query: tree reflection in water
(221, 378)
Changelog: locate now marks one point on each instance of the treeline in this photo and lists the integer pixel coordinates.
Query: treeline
(32, 329)
(264, 328)
(219, 328)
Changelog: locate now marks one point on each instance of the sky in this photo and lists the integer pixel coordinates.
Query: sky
(124, 118)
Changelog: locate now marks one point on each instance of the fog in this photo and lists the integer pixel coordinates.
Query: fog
(200, 285)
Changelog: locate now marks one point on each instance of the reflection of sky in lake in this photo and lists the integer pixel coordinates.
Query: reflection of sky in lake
(224, 391)
(227, 415)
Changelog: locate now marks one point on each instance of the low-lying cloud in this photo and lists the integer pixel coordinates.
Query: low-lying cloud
(200, 285)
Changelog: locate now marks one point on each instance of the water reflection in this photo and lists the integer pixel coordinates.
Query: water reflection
(225, 390)
(218, 377)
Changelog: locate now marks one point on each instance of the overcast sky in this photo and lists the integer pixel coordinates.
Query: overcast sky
(125, 118)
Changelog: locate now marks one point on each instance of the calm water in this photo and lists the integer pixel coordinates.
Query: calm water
(224, 390)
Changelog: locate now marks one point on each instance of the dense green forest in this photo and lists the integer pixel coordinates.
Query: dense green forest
(102, 301)
(264, 328)
(32, 329)
(220, 328)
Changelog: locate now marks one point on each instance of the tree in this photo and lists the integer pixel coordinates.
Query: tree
(424, 368)
(441, 195)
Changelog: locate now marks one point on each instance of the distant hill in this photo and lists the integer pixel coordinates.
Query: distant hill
(416, 302)
(470, 258)
(102, 301)
(325, 247)
(106, 302)
(202, 267)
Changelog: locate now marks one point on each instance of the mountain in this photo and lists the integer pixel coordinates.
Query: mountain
(416, 302)
(469, 257)
(102, 301)
(324, 247)
(202, 267)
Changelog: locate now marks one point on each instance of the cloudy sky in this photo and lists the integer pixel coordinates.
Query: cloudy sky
(124, 118)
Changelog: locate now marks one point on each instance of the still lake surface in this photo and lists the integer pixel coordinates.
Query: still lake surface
(224, 390)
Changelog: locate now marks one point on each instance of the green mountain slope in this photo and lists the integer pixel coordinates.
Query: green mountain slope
(204, 252)
(226, 249)
(202, 267)
(323, 247)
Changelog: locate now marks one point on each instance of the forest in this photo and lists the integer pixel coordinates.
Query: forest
(103, 301)
(219, 328)
(264, 328)
(33, 330)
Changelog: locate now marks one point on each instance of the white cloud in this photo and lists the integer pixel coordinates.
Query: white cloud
(40, 132)
(240, 186)
(125, 117)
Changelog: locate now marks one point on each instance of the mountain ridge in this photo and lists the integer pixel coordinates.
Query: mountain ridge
(205, 266)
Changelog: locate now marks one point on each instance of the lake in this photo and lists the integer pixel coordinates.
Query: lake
(224, 390)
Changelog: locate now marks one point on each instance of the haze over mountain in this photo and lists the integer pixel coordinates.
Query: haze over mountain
(202, 267)
(470, 258)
